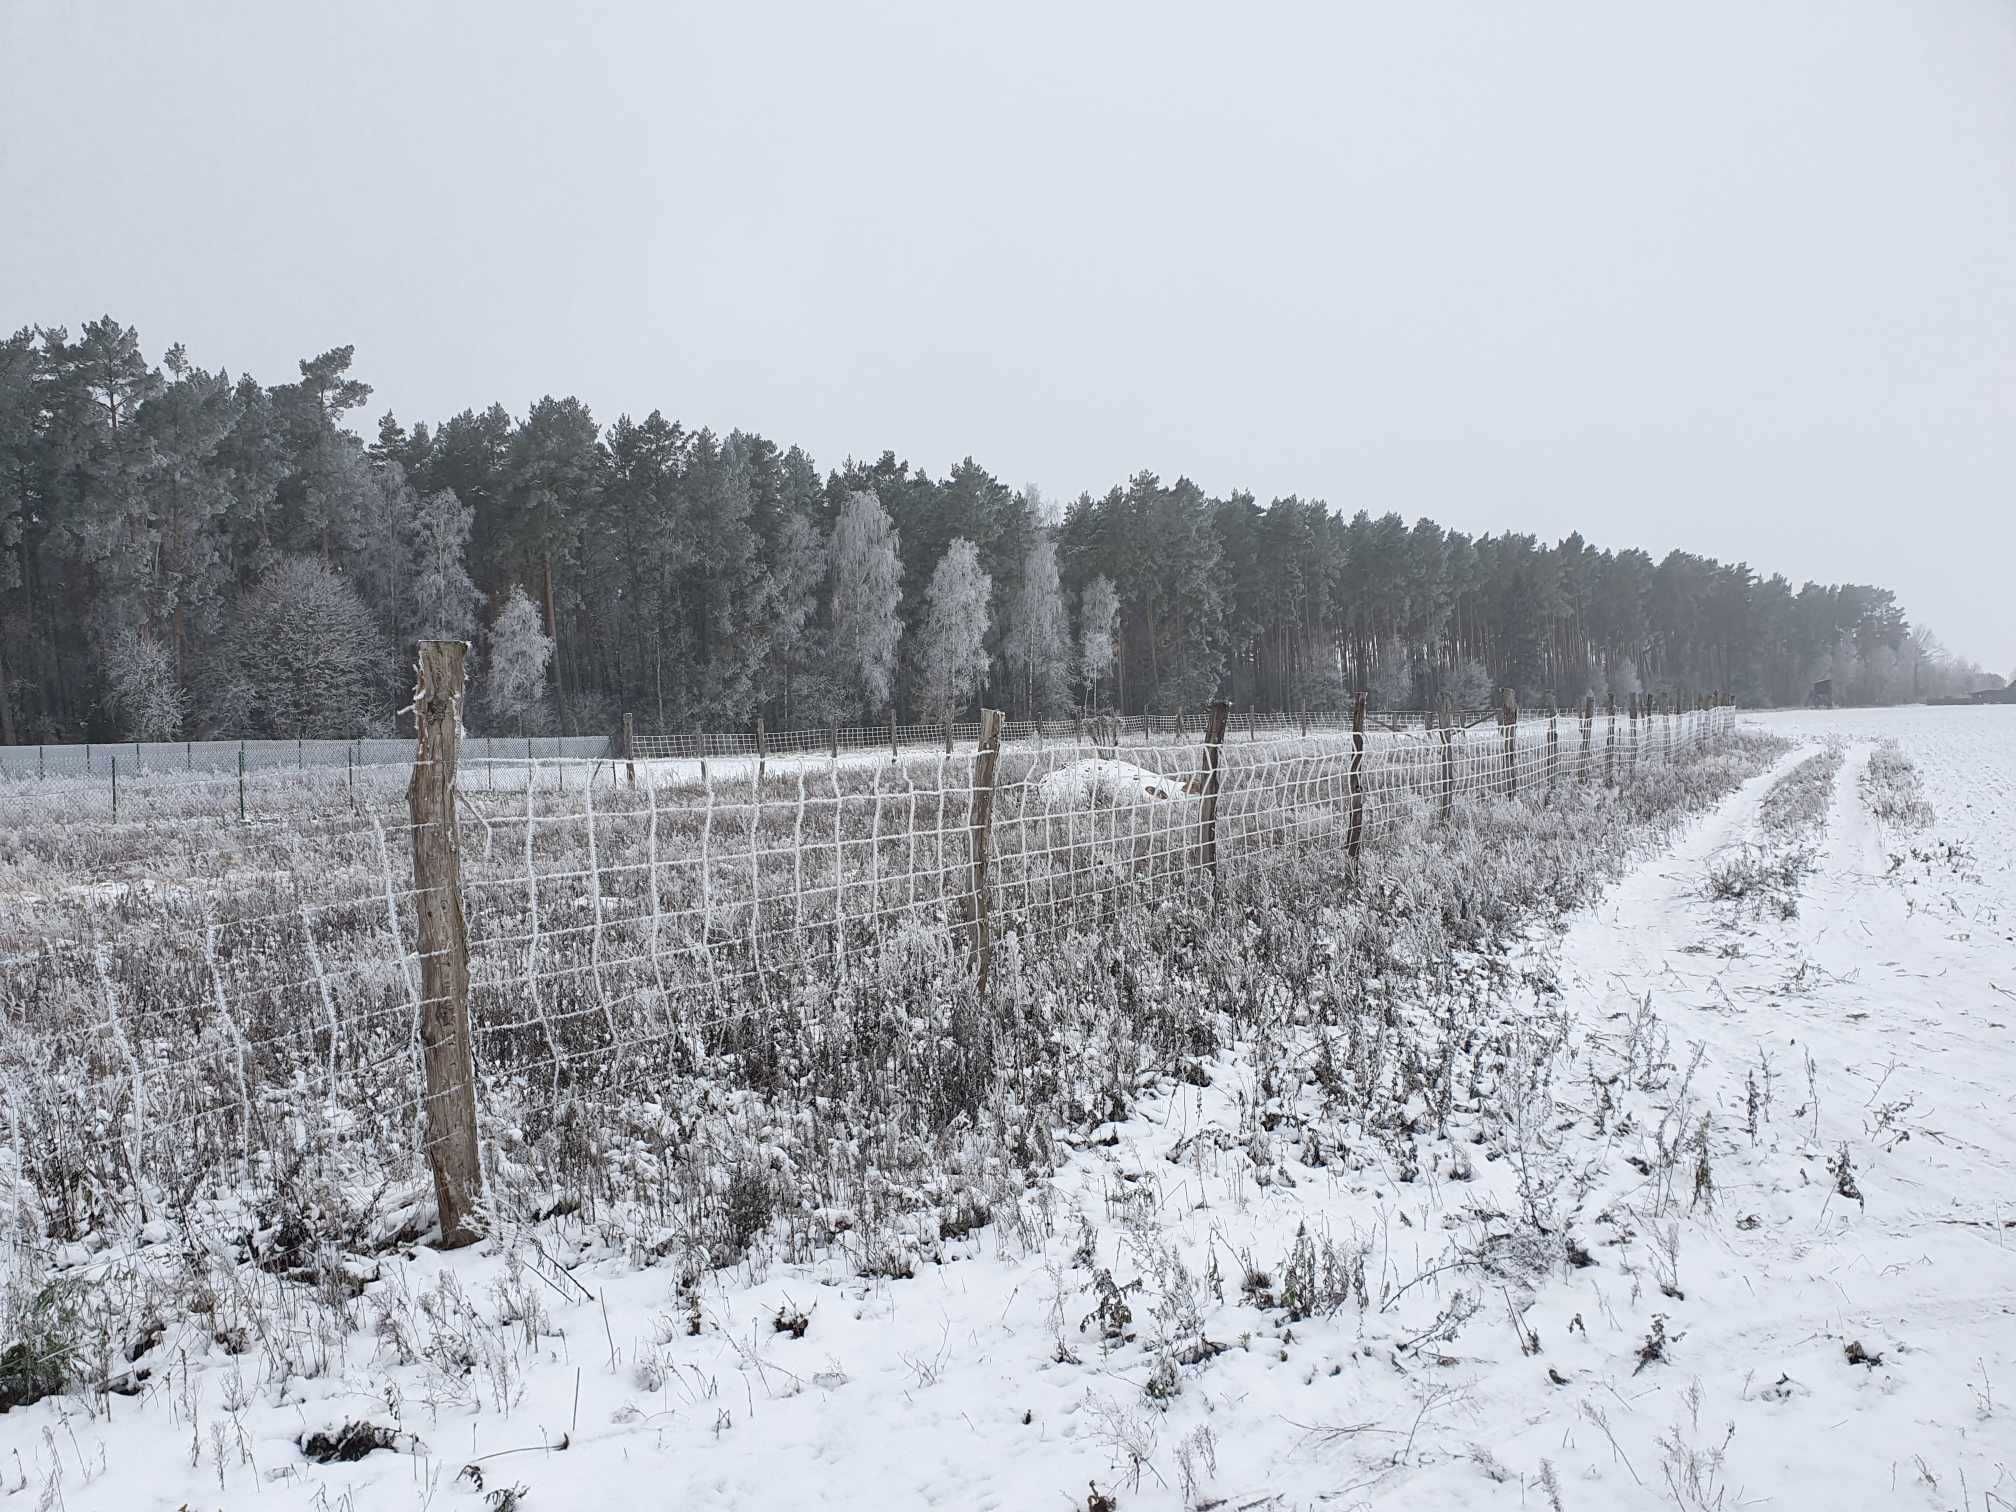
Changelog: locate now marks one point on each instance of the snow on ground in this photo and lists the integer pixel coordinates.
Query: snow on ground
(1700, 1357)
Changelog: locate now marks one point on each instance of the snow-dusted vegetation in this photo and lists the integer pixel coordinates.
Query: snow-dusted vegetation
(213, 1112)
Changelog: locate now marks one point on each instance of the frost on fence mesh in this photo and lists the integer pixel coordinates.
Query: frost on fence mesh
(183, 995)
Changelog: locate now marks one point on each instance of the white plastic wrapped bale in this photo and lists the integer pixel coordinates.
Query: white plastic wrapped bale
(1108, 784)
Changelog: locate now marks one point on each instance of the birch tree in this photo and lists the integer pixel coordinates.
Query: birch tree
(514, 677)
(867, 589)
(1098, 633)
(952, 660)
(1039, 636)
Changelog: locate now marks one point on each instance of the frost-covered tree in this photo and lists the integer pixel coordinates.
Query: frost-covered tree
(1468, 684)
(514, 675)
(1393, 682)
(141, 687)
(306, 659)
(444, 599)
(1039, 636)
(1622, 681)
(1098, 633)
(867, 589)
(797, 568)
(952, 658)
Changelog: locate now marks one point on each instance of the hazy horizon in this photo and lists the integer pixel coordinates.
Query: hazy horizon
(1672, 281)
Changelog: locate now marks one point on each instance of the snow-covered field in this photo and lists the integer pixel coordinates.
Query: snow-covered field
(1706, 1198)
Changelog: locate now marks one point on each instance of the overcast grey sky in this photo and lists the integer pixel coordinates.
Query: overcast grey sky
(1734, 275)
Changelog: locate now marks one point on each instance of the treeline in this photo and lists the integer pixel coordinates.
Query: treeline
(185, 553)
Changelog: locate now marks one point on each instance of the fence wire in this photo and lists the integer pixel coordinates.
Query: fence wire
(175, 989)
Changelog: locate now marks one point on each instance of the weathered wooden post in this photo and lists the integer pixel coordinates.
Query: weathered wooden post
(1508, 722)
(241, 782)
(1631, 752)
(630, 745)
(115, 789)
(1553, 747)
(1610, 741)
(892, 732)
(447, 1054)
(836, 740)
(1214, 738)
(1448, 759)
(1354, 837)
(986, 762)
(762, 750)
(1588, 731)
(948, 737)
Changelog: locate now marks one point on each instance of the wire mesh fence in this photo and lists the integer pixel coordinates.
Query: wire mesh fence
(175, 992)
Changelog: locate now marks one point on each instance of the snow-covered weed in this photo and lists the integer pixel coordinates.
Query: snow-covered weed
(1892, 790)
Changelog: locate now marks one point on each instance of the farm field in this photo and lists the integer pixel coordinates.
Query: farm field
(1584, 1149)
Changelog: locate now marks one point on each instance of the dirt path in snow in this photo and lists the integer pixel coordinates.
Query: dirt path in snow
(1877, 1021)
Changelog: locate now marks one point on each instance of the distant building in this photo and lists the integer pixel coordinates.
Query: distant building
(1996, 696)
(1822, 696)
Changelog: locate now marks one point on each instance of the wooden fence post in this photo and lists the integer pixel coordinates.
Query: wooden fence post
(115, 789)
(1553, 747)
(892, 732)
(836, 740)
(241, 782)
(1508, 720)
(448, 1056)
(948, 733)
(1354, 837)
(1214, 737)
(1610, 740)
(1448, 759)
(986, 762)
(1631, 752)
(630, 745)
(1588, 730)
(762, 749)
